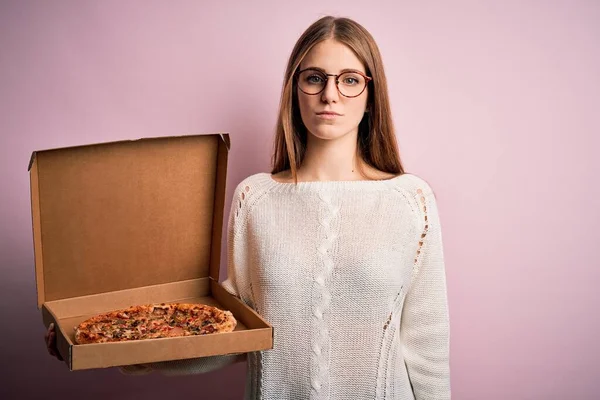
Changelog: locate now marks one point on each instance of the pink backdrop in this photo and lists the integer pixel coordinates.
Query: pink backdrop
(496, 105)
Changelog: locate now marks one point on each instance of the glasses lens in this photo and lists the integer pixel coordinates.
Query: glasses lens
(351, 84)
(311, 81)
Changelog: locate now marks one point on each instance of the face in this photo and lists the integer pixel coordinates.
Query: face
(332, 57)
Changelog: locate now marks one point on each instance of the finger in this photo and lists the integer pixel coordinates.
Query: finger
(49, 331)
(53, 351)
(51, 341)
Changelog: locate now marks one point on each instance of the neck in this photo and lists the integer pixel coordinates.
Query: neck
(330, 160)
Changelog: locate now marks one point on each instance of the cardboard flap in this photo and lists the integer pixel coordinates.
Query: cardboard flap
(127, 214)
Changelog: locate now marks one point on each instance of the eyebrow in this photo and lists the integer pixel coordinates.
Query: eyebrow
(341, 72)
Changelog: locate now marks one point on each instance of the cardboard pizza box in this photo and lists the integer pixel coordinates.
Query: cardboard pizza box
(134, 222)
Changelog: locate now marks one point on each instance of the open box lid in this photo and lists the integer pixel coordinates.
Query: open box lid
(127, 214)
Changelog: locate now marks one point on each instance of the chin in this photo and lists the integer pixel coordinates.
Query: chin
(328, 132)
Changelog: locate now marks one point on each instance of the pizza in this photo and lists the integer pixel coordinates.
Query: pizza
(154, 321)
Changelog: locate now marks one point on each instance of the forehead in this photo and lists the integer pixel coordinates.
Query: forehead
(332, 56)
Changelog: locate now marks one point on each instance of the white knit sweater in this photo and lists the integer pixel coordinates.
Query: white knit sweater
(351, 276)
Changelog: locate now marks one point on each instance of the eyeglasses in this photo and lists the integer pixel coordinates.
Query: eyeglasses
(349, 83)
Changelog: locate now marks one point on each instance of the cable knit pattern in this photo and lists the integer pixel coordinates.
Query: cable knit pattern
(351, 275)
(322, 299)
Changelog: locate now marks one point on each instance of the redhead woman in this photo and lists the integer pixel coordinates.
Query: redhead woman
(337, 247)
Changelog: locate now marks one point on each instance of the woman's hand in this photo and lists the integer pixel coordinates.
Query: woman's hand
(50, 338)
(51, 342)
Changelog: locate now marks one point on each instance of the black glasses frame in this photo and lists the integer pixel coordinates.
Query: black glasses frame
(337, 82)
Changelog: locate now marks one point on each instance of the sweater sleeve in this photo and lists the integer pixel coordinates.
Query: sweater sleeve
(424, 330)
(235, 263)
(236, 244)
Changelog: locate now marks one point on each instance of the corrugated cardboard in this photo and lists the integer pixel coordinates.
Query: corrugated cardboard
(134, 222)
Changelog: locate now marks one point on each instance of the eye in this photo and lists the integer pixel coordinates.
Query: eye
(351, 80)
(315, 78)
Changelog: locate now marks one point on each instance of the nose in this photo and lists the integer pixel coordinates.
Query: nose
(330, 93)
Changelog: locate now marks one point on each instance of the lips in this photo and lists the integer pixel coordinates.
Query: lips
(328, 113)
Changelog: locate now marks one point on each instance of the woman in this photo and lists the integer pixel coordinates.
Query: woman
(338, 248)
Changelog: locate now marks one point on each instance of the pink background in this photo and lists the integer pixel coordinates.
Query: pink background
(495, 103)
